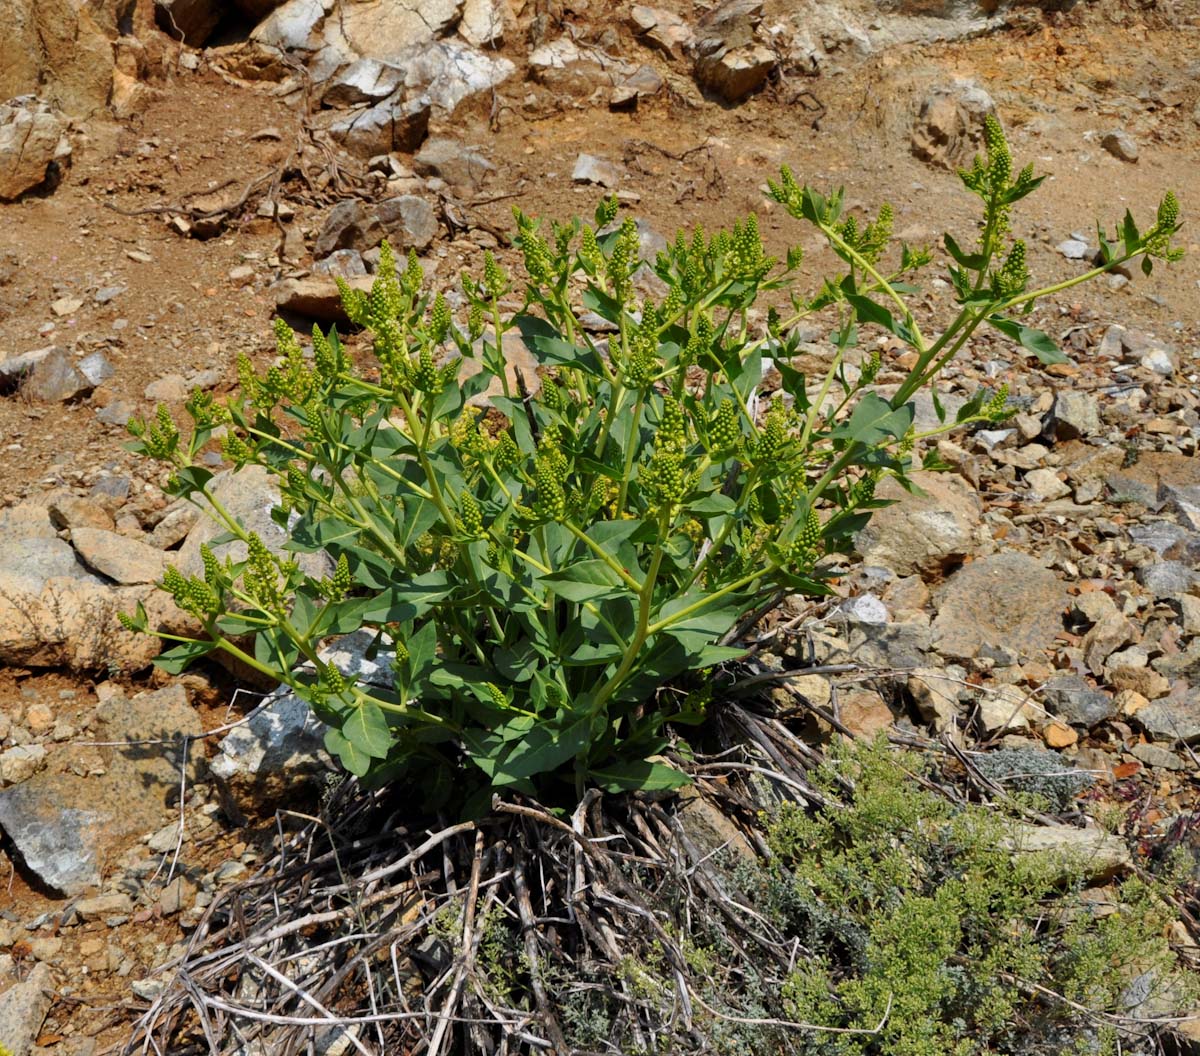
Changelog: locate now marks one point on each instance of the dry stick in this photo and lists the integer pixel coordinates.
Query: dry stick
(306, 997)
(468, 955)
(529, 934)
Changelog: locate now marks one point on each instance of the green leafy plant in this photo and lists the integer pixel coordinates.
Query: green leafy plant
(924, 935)
(544, 557)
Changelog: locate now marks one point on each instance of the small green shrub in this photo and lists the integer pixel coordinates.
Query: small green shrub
(541, 570)
(913, 915)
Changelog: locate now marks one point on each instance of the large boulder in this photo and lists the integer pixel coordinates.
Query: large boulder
(33, 145)
(731, 62)
(925, 532)
(949, 126)
(1006, 601)
(61, 49)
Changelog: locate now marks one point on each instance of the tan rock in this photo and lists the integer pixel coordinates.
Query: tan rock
(924, 532)
(1129, 702)
(126, 561)
(32, 139)
(1059, 735)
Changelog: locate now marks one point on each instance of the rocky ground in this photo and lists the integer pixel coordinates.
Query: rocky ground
(174, 175)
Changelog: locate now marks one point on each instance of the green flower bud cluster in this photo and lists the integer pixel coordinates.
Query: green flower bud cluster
(337, 587)
(663, 479)
(496, 696)
(725, 434)
(643, 363)
(332, 680)
(774, 438)
(191, 593)
(551, 502)
(325, 357)
(440, 320)
(507, 454)
(495, 279)
(606, 211)
(205, 411)
(261, 575)
(623, 262)
(467, 437)
(591, 256)
(159, 439)
(870, 369)
(1158, 238)
(746, 259)
(1013, 276)
(862, 491)
(997, 409)
(699, 345)
(788, 192)
(475, 321)
(539, 261)
(470, 519)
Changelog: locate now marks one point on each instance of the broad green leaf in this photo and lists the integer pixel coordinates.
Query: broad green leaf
(351, 756)
(1035, 341)
(583, 581)
(970, 261)
(178, 657)
(545, 748)
(367, 729)
(639, 776)
(874, 421)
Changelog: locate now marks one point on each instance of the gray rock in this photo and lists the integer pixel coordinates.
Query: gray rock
(1161, 361)
(294, 25)
(1156, 755)
(95, 368)
(58, 843)
(54, 379)
(395, 124)
(170, 388)
(731, 74)
(591, 169)
(109, 293)
(482, 23)
(33, 143)
(1075, 415)
(263, 761)
(661, 29)
(316, 297)
(20, 763)
(1170, 719)
(453, 161)
(1093, 852)
(899, 646)
(949, 126)
(389, 31)
(1120, 145)
(1070, 698)
(731, 60)
(341, 263)
(249, 495)
(1073, 249)
(927, 532)
(936, 696)
(449, 73)
(118, 557)
(23, 1010)
(866, 608)
(100, 906)
(31, 552)
(364, 81)
(1167, 578)
(1007, 599)
(406, 221)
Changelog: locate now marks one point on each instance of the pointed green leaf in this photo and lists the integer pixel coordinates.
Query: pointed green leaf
(367, 729)
(639, 776)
